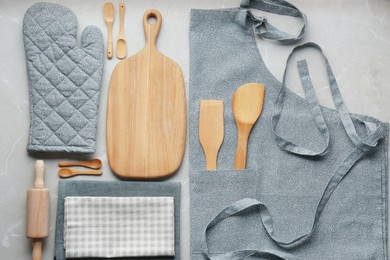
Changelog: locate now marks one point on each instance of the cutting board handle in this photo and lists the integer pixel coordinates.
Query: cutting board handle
(152, 30)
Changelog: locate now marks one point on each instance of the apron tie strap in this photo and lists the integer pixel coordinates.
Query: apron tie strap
(266, 218)
(259, 21)
(266, 30)
(360, 143)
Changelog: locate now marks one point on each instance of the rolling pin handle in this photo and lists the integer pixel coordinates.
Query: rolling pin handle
(39, 171)
(37, 249)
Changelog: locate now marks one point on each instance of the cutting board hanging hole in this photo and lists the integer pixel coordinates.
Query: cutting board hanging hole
(152, 20)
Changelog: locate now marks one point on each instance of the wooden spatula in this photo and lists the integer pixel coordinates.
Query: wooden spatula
(211, 130)
(247, 105)
(146, 112)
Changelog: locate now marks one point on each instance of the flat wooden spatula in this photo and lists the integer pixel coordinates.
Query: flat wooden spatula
(211, 130)
(146, 112)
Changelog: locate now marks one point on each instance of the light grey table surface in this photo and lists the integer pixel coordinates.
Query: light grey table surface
(355, 36)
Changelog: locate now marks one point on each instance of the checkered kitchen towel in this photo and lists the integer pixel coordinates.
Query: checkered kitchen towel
(119, 226)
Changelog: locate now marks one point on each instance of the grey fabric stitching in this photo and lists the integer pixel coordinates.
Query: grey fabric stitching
(89, 80)
(65, 122)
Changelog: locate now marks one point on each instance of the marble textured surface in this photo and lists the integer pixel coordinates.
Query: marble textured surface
(355, 36)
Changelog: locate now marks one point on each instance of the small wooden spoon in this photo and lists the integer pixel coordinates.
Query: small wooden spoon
(247, 105)
(93, 163)
(68, 172)
(121, 51)
(109, 14)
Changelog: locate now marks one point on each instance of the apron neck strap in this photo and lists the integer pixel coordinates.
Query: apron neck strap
(363, 144)
(264, 29)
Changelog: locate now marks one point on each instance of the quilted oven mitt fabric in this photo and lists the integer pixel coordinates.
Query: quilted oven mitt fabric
(64, 80)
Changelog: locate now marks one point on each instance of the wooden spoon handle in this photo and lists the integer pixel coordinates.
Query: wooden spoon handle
(121, 20)
(66, 164)
(67, 172)
(109, 42)
(152, 30)
(92, 164)
(242, 144)
(87, 172)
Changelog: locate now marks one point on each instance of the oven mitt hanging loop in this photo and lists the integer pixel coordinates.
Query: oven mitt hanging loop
(64, 80)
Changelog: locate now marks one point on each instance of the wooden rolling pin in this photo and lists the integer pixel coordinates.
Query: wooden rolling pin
(38, 202)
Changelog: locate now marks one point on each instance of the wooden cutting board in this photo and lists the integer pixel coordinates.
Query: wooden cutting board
(146, 112)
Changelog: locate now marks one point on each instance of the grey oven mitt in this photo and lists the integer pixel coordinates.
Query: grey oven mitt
(64, 80)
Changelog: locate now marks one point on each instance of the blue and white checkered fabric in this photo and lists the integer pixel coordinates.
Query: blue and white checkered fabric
(119, 226)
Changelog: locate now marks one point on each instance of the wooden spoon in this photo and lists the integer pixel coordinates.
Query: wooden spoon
(109, 15)
(211, 130)
(68, 172)
(247, 105)
(93, 163)
(121, 42)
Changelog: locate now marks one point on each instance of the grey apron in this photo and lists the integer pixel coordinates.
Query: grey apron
(315, 186)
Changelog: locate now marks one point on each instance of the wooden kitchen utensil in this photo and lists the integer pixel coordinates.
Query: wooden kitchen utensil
(247, 105)
(146, 112)
(109, 14)
(121, 51)
(93, 164)
(38, 204)
(68, 172)
(211, 130)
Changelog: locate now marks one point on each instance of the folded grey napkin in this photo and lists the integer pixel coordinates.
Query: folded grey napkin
(119, 226)
(67, 188)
